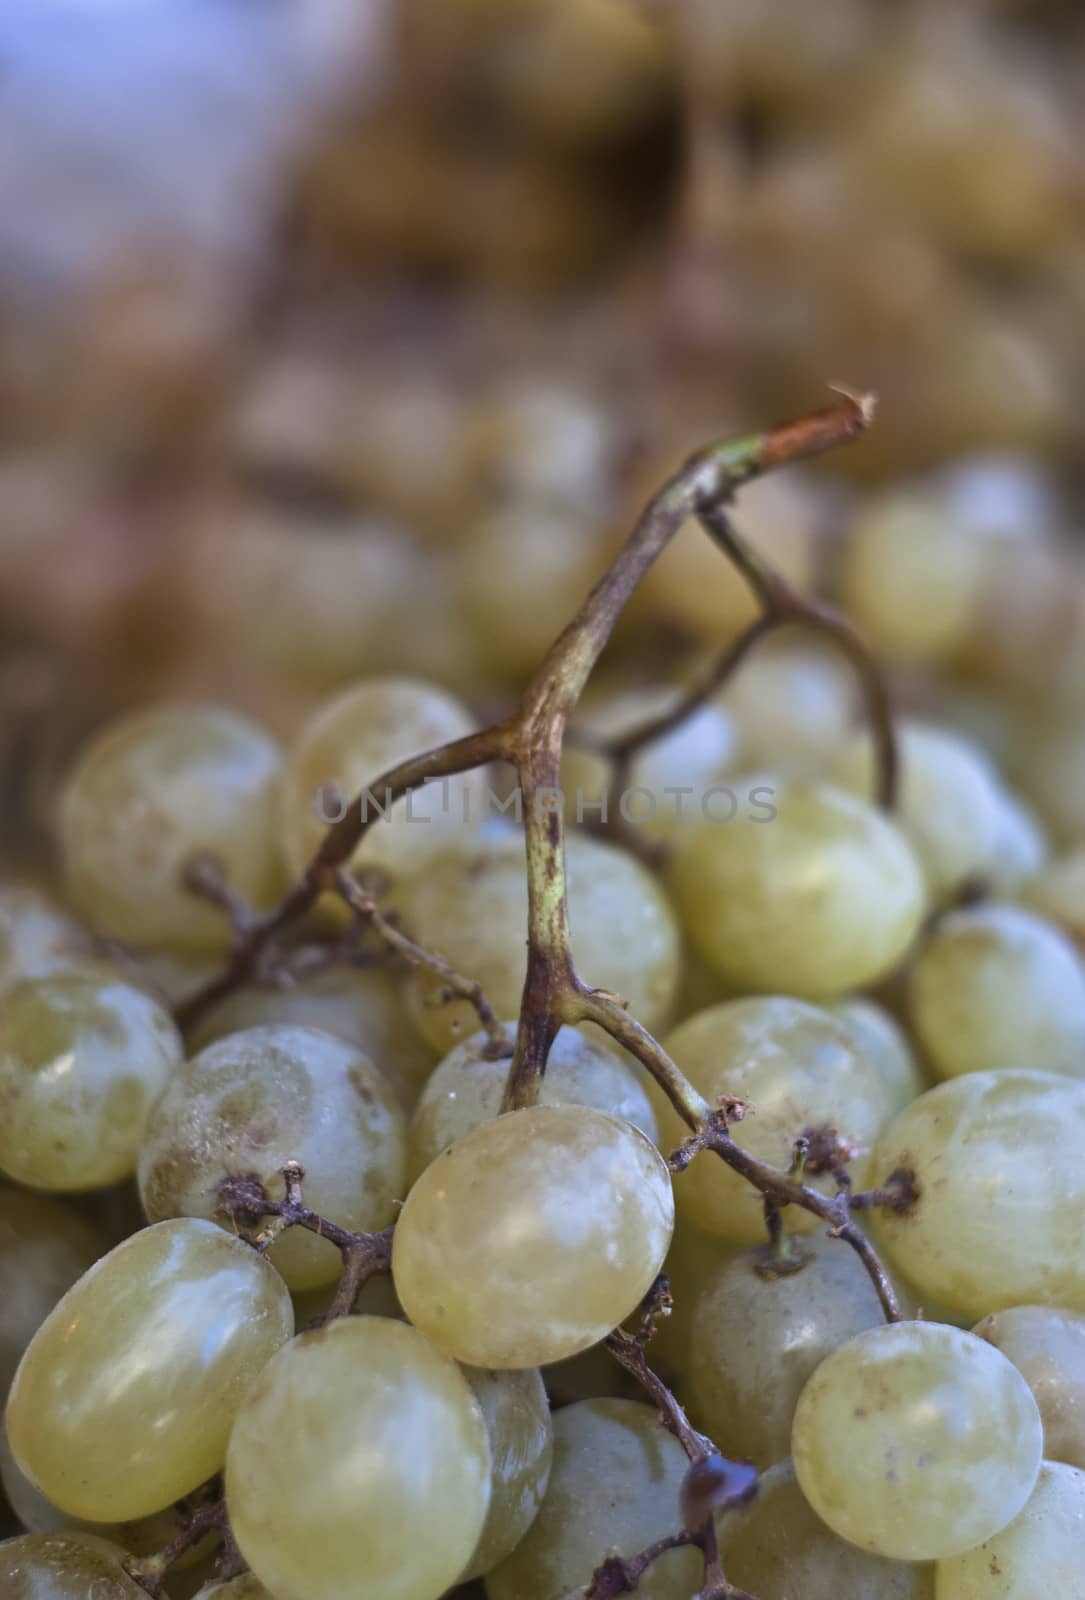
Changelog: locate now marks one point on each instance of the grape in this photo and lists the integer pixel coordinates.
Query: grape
(912, 577)
(916, 1441)
(34, 934)
(258, 1099)
(1050, 768)
(592, 1375)
(351, 743)
(1001, 1204)
(471, 907)
(363, 1005)
(693, 1257)
(359, 1465)
(82, 1057)
(1057, 893)
(517, 1416)
(159, 1342)
(246, 1587)
(800, 1071)
(792, 705)
(756, 1340)
(693, 756)
(885, 1046)
(777, 1548)
(951, 803)
(56, 1566)
(613, 1490)
(1047, 1346)
(1038, 1553)
(150, 791)
(533, 1236)
(996, 987)
(824, 897)
(45, 1245)
(467, 1087)
(1022, 846)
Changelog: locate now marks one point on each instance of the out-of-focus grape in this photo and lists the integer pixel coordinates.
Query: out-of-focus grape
(467, 1087)
(758, 1335)
(1047, 1346)
(254, 1101)
(778, 1547)
(533, 1236)
(471, 907)
(161, 1340)
(916, 1441)
(614, 1487)
(801, 1072)
(82, 1058)
(820, 895)
(1001, 1200)
(996, 987)
(792, 705)
(885, 1046)
(45, 1245)
(147, 794)
(386, 1440)
(35, 934)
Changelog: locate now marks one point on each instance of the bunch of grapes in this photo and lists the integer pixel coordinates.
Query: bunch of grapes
(444, 1269)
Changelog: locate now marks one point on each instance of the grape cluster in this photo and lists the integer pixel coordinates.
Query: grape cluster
(397, 1312)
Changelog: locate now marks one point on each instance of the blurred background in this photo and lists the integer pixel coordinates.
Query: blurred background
(340, 336)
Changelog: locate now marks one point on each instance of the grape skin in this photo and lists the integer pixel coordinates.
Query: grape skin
(45, 1245)
(916, 1441)
(467, 1087)
(823, 898)
(1001, 1204)
(799, 1069)
(146, 794)
(517, 1415)
(258, 1099)
(160, 1340)
(885, 1045)
(359, 1467)
(82, 1058)
(614, 1488)
(49, 1566)
(1047, 1346)
(533, 1236)
(1039, 1553)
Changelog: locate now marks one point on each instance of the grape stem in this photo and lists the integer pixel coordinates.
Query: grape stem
(149, 1571)
(531, 740)
(246, 1202)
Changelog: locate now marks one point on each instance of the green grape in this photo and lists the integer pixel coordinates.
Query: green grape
(995, 987)
(1037, 1554)
(359, 1465)
(614, 1487)
(694, 1256)
(533, 1236)
(45, 1245)
(1057, 893)
(148, 793)
(34, 934)
(82, 1057)
(1050, 769)
(916, 1441)
(1047, 1346)
(363, 1005)
(799, 1071)
(885, 1045)
(793, 706)
(913, 577)
(1001, 1198)
(351, 743)
(37, 1514)
(592, 1375)
(467, 1087)
(246, 1587)
(1022, 846)
(471, 907)
(517, 1416)
(269, 1095)
(952, 806)
(756, 1340)
(159, 1341)
(57, 1566)
(779, 1549)
(824, 897)
(672, 773)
